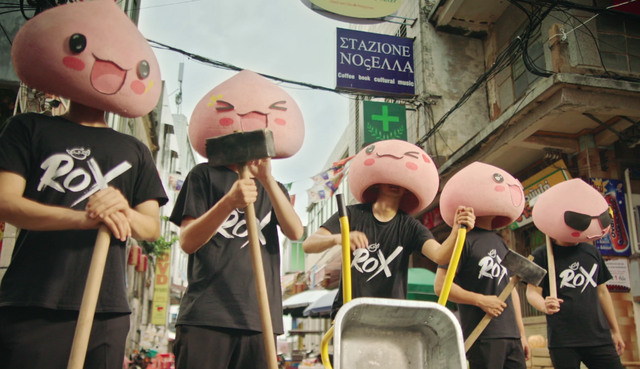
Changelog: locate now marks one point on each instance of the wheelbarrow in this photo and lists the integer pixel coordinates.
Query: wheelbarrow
(390, 333)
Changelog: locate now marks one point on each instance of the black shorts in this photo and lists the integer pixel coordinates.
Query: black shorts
(594, 357)
(34, 338)
(498, 353)
(198, 347)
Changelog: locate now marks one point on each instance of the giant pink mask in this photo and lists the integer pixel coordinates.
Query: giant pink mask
(91, 53)
(571, 196)
(397, 163)
(489, 190)
(247, 102)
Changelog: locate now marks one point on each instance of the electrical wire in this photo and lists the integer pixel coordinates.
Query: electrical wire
(504, 59)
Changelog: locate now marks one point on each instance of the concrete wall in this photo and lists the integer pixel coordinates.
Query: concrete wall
(11, 23)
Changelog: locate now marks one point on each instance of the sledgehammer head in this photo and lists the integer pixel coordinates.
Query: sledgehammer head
(524, 268)
(240, 147)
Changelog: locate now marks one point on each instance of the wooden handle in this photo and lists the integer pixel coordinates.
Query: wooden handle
(551, 269)
(258, 274)
(487, 318)
(90, 299)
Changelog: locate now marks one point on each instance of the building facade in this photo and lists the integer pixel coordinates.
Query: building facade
(546, 90)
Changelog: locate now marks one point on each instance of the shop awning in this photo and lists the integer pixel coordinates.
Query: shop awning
(296, 304)
(322, 306)
(421, 286)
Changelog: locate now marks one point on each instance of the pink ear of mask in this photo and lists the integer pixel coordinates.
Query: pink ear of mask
(576, 196)
(248, 102)
(397, 163)
(489, 190)
(91, 53)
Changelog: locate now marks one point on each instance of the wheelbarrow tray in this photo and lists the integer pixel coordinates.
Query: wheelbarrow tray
(399, 334)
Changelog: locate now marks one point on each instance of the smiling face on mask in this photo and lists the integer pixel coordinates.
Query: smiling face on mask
(91, 53)
(248, 102)
(572, 211)
(400, 164)
(489, 190)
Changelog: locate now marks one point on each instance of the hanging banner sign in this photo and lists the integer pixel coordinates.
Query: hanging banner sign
(538, 184)
(384, 121)
(616, 242)
(176, 181)
(161, 289)
(374, 62)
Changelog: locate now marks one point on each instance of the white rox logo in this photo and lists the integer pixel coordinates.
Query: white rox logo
(370, 262)
(491, 267)
(572, 279)
(75, 180)
(234, 224)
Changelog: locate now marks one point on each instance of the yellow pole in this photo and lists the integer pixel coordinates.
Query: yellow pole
(453, 265)
(346, 275)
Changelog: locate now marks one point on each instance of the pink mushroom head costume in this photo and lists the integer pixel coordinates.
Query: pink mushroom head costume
(489, 190)
(572, 211)
(398, 163)
(248, 102)
(91, 53)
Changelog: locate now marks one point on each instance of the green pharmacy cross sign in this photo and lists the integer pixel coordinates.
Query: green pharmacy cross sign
(384, 121)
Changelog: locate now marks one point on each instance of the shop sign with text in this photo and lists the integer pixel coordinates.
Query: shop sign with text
(538, 184)
(374, 62)
(359, 8)
(384, 121)
(161, 289)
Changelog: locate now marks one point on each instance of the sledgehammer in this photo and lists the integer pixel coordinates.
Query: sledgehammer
(240, 148)
(524, 269)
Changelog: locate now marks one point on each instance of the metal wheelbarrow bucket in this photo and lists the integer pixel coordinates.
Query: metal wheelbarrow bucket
(399, 334)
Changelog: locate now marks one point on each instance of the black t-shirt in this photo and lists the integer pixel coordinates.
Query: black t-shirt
(579, 271)
(221, 290)
(380, 270)
(480, 271)
(63, 163)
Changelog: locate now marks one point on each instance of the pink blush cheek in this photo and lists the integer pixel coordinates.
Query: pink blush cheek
(412, 166)
(499, 188)
(226, 122)
(369, 162)
(281, 122)
(426, 158)
(575, 234)
(138, 87)
(73, 63)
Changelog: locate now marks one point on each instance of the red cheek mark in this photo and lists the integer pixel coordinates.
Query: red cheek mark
(426, 158)
(369, 162)
(499, 188)
(575, 234)
(412, 166)
(226, 122)
(138, 87)
(281, 121)
(73, 63)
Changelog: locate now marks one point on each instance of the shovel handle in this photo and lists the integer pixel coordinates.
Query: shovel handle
(551, 269)
(259, 279)
(346, 250)
(487, 318)
(453, 265)
(90, 299)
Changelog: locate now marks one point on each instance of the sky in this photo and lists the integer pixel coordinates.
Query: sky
(282, 38)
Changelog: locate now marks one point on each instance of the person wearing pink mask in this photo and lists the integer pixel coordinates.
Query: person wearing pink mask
(392, 179)
(61, 177)
(581, 320)
(497, 199)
